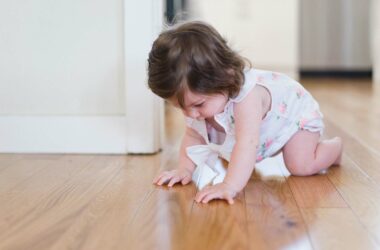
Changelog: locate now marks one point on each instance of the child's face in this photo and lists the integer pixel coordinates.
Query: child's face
(199, 106)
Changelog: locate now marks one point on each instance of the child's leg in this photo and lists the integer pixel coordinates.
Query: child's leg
(304, 154)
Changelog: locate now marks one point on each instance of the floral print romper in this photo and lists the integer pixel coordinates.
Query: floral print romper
(292, 109)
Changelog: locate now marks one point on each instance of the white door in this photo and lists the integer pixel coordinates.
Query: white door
(73, 76)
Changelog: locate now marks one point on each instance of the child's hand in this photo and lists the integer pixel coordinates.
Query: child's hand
(218, 191)
(173, 177)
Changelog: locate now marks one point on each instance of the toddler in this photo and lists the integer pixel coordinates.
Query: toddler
(233, 112)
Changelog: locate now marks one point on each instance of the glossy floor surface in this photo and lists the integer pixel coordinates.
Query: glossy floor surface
(109, 202)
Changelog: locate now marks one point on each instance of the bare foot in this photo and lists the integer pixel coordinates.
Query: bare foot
(340, 143)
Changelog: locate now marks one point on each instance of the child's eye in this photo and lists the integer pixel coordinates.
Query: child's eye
(198, 105)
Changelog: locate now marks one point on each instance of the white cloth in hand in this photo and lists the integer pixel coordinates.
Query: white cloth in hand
(209, 167)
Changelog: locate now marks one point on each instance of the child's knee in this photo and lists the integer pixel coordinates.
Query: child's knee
(302, 167)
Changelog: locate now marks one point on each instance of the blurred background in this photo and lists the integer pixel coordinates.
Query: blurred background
(301, 38)
(73, 73)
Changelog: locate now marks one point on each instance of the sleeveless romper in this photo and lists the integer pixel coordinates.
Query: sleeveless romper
(292, 109)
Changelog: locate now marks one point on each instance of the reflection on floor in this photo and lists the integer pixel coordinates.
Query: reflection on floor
(109, 202)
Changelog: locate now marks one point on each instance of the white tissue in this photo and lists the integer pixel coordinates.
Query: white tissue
(206, 175)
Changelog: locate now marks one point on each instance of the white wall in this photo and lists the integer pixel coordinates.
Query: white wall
(73, 76)
(61, 57)
(265, 31)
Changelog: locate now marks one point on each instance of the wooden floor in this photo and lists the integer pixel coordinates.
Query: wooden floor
(108, 202)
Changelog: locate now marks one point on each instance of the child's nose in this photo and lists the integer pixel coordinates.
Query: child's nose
(193, 113)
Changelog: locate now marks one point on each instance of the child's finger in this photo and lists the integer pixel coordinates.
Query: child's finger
(230, 200)
(212, 196)
(201, 194)
(165, 178)
(228, 197)
(159, 176)
(174, 180)
(155, 180)
(186, 180)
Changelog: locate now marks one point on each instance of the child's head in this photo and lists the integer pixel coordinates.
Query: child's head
(193, 57)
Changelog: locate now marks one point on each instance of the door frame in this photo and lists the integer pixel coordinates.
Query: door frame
(143, 20)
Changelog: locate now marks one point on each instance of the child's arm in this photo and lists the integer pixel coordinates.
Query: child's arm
(248, 116)
(186, 167)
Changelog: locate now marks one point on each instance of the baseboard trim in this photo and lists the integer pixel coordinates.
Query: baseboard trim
(337, 73)
(63, 134)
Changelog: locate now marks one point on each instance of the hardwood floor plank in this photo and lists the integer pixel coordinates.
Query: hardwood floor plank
(360, 193)
(273, 217)
(108, 202)
(351, 111)
(134, 212)
(218, 225)
(312, 191)
(45, 224)
(162, 220)
(336, 228)
(54, 157)
(364, 158)
(315, 192)
(20, 171)
(7, 159)
(134, 205)
(27, 195)
(110, 213)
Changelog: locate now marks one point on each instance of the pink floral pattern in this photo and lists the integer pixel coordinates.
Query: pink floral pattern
(259, 158)
(300, 92)
(282, 107)
(263, 148)
(267, 143)
(316, 114)
(275, 76)
(302, 122)
(260, 79)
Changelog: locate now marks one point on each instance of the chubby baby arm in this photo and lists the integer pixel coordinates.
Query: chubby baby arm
(248, 115)
(239, 171)
(186, 167)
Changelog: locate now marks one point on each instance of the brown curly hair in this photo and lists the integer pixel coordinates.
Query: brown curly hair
(194, 56)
